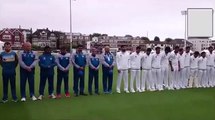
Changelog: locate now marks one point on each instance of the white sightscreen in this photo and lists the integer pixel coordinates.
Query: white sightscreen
(200, 22)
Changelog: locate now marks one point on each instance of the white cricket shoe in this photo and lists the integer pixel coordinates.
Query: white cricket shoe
(153, 89)
(132, 91)
(118, 91)
(33, 98)
(142, 90)
(161, 89)
(52, 96)
(40, 97)
(126, 91)
(139, 90)
(23, 99)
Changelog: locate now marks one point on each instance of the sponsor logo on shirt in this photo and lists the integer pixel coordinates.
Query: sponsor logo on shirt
(9, 58)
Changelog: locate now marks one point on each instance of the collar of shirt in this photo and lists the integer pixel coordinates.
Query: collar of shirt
(28, 51)
(79, 53)
(107, 53)
(49, 54)
(137, 53)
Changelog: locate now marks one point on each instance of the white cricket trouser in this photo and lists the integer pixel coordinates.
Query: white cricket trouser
(122, 75)
(213, 83)
(175, 77)
(187, 75)
(194, 82)
(203, 81)
(135, 75)
(147, 81)
(165, 76)
(182, 81)
(210, 72)
(156, 75)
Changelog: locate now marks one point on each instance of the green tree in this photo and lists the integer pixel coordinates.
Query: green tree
(157, 39)
(145, 38)
(168, 40)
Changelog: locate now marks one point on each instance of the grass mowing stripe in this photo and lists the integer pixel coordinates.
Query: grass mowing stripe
(191, 104)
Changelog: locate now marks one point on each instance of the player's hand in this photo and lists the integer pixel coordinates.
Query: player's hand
(28, 69)
(172, 69)
(81, 68)
(179, 69)
(112, 66)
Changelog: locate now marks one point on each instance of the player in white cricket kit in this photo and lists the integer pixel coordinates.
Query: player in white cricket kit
(123, 64)
(194, 70)
(182, 82)
(174, 66)
(165, 66)
(203, 81)
(135, 64)
(156, 69)
(210, 66)
(146, 64)
(187, 66)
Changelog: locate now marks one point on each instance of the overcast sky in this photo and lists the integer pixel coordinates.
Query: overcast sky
(115, 17)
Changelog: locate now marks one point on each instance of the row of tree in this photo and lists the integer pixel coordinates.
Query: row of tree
(156, 38)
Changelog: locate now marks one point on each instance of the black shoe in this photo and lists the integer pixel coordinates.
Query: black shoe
(76, 95)
(91, 93)
(97, 93)
(83, 94)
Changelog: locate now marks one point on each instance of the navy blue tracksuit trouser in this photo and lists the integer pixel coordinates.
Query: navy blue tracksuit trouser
(61, 75)
(24, 77)
(78, 81)
(6, 79)
(107, 79)
(43, 79)
(93, 75)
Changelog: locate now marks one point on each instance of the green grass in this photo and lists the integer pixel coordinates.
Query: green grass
(189, 104)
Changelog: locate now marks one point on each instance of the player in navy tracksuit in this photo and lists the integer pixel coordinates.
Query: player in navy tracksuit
(47, 64)
(94, 62)
(63, 64)
(79, 62)
(8, 61)
(27, 61)
(108, 62)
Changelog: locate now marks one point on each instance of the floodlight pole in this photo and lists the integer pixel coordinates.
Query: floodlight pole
(70, 11)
